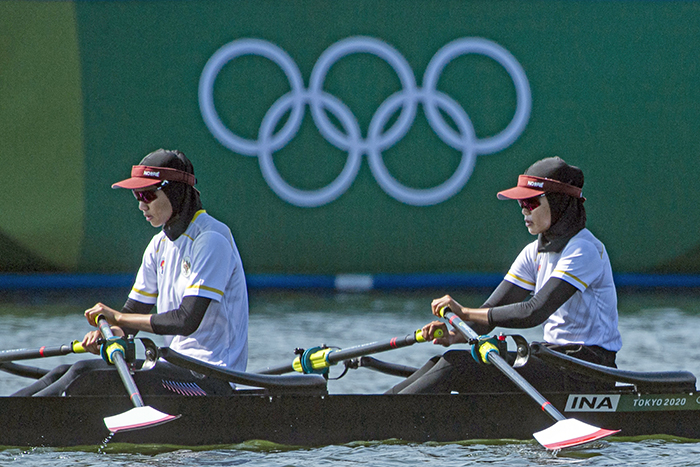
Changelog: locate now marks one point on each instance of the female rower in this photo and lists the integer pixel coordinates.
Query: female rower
(191, 271)
(568, 274)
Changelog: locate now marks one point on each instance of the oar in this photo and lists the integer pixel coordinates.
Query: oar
(141, 416)
(27, 354)
(566, 432)
(317, 359)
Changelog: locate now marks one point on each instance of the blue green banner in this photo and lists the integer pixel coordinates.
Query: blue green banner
(349, 136)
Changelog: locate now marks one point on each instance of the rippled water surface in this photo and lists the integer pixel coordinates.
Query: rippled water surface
(660, 332)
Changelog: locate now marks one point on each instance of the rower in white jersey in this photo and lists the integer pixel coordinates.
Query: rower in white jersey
(191, 271)
(562, 281)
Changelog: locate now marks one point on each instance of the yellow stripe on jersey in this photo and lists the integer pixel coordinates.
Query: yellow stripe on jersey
(204, 287)
(572, 276)
(196, 214)
(159, 244)
(144, 293)
(520, 279)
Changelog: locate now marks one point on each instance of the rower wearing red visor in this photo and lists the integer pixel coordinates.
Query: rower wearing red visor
(191, 275)
(562, 281)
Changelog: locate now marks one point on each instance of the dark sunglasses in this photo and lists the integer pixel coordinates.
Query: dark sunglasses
(530, 203)
(148, 196)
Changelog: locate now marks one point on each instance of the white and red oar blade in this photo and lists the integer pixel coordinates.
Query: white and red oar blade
(137, 418)
(569, 433)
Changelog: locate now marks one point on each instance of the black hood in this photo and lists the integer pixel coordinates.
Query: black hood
(186, 202)
(568, 219)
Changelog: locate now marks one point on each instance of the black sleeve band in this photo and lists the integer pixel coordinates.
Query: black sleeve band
(535, 311)
(505, 294)
(182, 321)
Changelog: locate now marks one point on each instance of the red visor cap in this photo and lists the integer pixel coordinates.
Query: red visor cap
(530, 186)
(143, 176)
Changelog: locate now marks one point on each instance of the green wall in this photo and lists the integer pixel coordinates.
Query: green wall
(88, 88)
(41, 137)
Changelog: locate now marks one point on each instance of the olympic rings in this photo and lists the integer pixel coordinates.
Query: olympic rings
(378, 140)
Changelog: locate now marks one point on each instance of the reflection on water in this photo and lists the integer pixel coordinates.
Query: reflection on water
(646, 452)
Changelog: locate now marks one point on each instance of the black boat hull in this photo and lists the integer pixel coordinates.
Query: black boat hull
(316, 420)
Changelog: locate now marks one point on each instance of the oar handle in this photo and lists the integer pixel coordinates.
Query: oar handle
(119, 361)
(104, 327)
(458, 324)
(496, 360)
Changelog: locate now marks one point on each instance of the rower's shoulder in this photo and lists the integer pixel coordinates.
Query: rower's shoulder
(204, 224)
(587, 241)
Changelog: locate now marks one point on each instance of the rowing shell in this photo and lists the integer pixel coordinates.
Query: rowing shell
(315, 419)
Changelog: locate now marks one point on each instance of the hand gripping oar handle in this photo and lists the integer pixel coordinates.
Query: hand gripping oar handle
(317, 359)
(566, 432)
(42, 352)
(496, 360)
(117, 357)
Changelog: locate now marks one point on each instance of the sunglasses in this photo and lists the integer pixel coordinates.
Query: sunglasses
(530, 203)
(148, 196)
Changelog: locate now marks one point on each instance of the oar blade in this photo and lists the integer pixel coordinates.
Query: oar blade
(137, 418)
(569, 433)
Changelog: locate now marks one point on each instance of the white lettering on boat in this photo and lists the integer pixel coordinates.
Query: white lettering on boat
(660, 402)
(592, 402)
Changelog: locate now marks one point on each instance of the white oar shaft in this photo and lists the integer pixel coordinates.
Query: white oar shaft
(122, 366)
(141, 416)
(566, 432)
(498, 361)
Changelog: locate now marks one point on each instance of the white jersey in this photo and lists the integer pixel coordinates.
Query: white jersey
(205, 262)
(589, 317)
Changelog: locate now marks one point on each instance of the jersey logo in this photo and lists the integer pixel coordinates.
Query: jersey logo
(186, 266)
(162, 266)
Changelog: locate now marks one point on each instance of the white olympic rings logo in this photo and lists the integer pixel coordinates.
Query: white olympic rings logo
(320, 102)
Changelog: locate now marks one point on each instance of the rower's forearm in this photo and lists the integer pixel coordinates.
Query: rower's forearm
(476, 315)
(136, 322)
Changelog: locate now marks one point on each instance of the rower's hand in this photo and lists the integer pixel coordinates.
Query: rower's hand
(89, 342)
(446, 301)
(448, 338)
(429, 330)
(110, 314)
(92, 342)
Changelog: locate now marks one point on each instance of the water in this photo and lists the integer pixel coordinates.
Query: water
(659, 333)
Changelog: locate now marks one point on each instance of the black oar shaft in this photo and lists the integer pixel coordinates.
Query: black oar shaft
(498, 361)
(374, 347)
(277, 370)
(122, 366)
(326, 357)
(42, 352)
